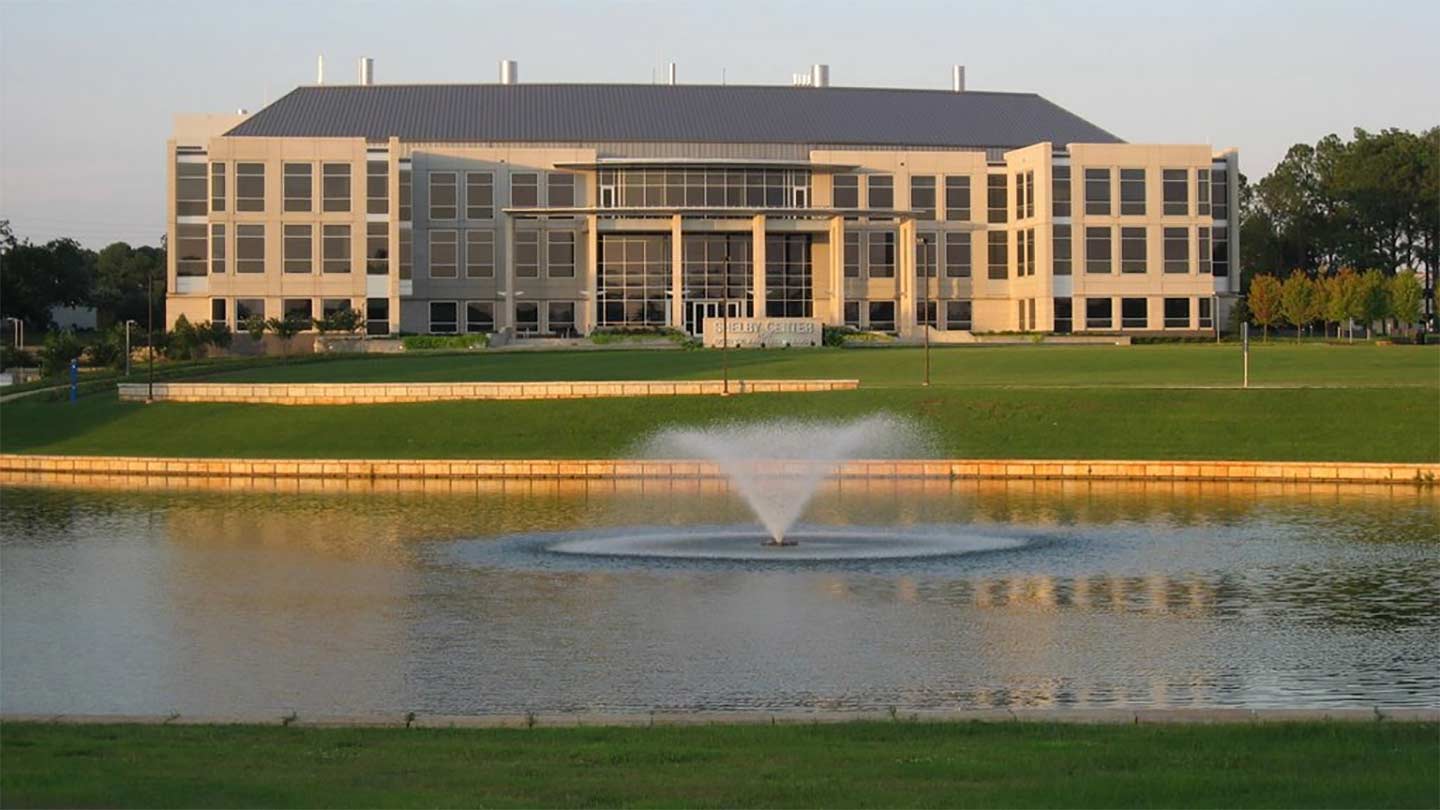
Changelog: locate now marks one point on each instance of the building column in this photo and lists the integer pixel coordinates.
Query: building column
(392, 238)
(905, 278)
(677, 274)
(509, 274)
(590, 300)
(757, 263)
(836, 315)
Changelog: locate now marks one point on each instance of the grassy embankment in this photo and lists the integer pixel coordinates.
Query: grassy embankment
(849, 765)
(1367, 403)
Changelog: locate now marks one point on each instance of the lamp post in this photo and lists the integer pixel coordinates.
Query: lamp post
(925, 303)
(18, 331)
(128, 323)
(150, 334)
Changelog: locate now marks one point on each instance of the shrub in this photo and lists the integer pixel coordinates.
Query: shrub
(255, 327)
(184, 340)
(109, 347)
(618, 334)
(60, 348)
(217, 335)
(344, 321)
(419, 343)
(836, 335)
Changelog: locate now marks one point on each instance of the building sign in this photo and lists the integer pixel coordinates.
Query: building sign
(764, 332)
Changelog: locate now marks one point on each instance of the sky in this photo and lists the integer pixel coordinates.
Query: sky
(88, 89)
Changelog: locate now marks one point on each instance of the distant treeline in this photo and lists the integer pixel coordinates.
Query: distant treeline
(36, 278)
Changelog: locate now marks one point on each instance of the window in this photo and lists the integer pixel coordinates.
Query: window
(444, 254)
(331, 306)
(248, 308)
(444, 317)
(1220, 251)
(1133, 250)
(999, 259)
(927, 313)
(298, 309)
(1097, 250)
(1206, 318)
(1177, 313)
(1132, 313)
(1097, 193)
(958, 315)
(299, 251)
(1020, 315)
(377, 316)
(957, 198)
(1177, 250)
(1064, 316)
(927, 255)
(480, 316)
(957, 254)
(1132, 192)
(527, 254)
(787, 275)
(560, 254)
(249, 248)
(249, 186)
(335, 249)
(560, 318)
(479, 195)
(1060, 191)
(1202, 192)
(1020, 245)
(190, 190)
(405, 209)
(377, 248)
(479, 254)
(1025, 195)
(525, 190)
(217, 186)
(1219, 194)
(1177, 192)
(1202, 250)
(1030, 194)
(695, 188)
(443, 196)
(852, 254)
(560, 190)
(633, 279)
(1029, 251)
(998, 193)
(852, 314)
(527, 317)
(217, 248)
(922, 196)
(1099, 313)
(1061, 250)
(881, 254)
(377, 187)
(847, 191)
(336, 186)
(882, 316)
(406, 252)
(297, 181)
(192, 250)
(880, 190)
(217, 310)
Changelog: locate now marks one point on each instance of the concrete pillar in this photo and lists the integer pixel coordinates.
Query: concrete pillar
(905, 278)
(836, 315)
(393, 238)
(508, 297)
(677, 273)
(757, 262)
(591, 300)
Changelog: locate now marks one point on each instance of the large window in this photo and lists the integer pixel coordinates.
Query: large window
(1206, 313)
(527, 317)
(1177, 250)
(299, 248)
(880, 190)
(633, 280)
(1133, 313)
(1060, 191)
(191, 192)
(333, 306)
(217, 186)
(851, 313)
(846, 193)
(1220, 251)
(1097, 192)
(298, 309)
(881, 254)
(1098, 250)
(249, 248)
(706, 188)
(1177, 192)
(217, 310)
(997, 197)
(298, 184)
(336, 186)
(525, 190)
(787, 275)
(406, 213)
(1064, 316)
(560, 190)
(192, 249)
(957, 254)
(248, 308)
(1029, 251)
(1061, 250)
(927, 313)
(716, 266)
(1133, 250)
(958, 315)
(1177, 313)
(1132, 192)
(1202, 192)
(852, 254)
(335, 249)
(922, 195)
(1025, 195)
(479, 254)
(527, 254)
(927, 255)
(1202, 250)
(479, 195)
(217, 248)
(377, 249)
(444, 254)
(560, 254)
(404, 253)
(957, 198)
(377, 316)
(249, 186)
(444, 196)
(444, 317)
(1099, 313)
(480, 316)
(377, 187)
(1219, 194)
(882, 316)
(998, 264)
(560, 318)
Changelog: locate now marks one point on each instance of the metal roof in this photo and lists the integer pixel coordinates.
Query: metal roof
(593, 113)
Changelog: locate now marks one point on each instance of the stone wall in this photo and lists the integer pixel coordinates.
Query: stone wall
(375, 393)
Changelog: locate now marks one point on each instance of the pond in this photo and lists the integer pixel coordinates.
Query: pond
(470, 598)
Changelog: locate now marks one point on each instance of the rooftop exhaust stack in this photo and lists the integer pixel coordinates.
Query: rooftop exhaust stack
(957, 78)
(820, 75)
(509, 71)
(320, 69)
(367, 71)
(672, 73)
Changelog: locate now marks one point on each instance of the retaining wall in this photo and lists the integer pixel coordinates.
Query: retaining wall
(375, 393)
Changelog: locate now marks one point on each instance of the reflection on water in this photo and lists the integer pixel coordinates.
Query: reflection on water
(347, 597)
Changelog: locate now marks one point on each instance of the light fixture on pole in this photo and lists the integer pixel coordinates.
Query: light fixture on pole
(150, 334)
(128, 323)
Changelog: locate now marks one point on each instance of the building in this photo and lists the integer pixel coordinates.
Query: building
(552, 209)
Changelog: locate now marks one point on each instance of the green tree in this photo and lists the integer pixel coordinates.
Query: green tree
(215, 334)
(1406, 295)
(344, 321)
(1264, 302)
(122, 277)
(183, 342)
(255, 327)
(285, 329)
(61, 346)
(1373, 297)
(1297, 301)
(34, 279)
(1340, 296)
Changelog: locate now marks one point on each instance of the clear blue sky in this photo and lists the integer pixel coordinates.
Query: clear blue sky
(87, 89)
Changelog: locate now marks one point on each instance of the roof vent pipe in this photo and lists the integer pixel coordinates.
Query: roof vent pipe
(820, 75)
(672, 73)
(957, 78)
(320, 69)
(367, 71)
(509, 71)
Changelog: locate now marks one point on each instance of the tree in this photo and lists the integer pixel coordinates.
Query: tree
(255, 327)
(345, 321)
(1297, 301)
(34, 279)
(61, 346)
(215, 334)
(184, 340)
(285, 329)
(122, 279)
(1264, 302)
(1405, 299)
(1373, 295)
(1340, 297)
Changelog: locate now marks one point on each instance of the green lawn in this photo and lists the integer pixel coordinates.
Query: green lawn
(850, 765)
